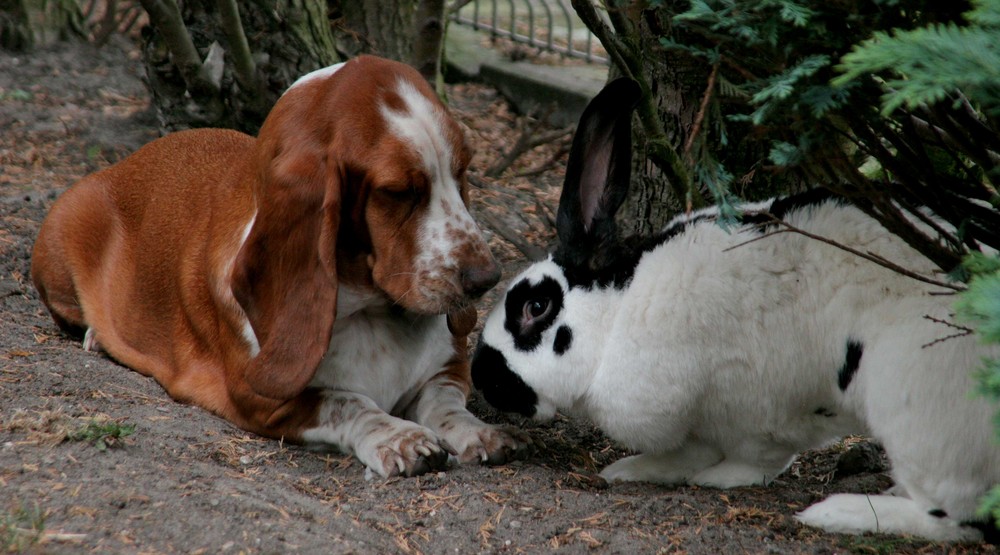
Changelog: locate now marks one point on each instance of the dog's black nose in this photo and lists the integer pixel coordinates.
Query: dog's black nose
(479, 280)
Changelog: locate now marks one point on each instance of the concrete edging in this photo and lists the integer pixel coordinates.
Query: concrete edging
(529, 87)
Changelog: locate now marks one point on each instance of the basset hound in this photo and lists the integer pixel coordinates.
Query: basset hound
(314, 283)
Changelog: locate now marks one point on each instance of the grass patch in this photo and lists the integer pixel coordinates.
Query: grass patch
(21, 528)
(52, 427)
(102, 435)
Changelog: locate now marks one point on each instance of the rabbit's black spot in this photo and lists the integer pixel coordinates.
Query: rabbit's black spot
(825, 412)
(938, 513)
(501, 387)
(564, 338)
(851, 362)
(675, 229)
(530, 310)
(783, 206)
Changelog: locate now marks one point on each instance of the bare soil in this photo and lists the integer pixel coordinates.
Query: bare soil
(185, 481)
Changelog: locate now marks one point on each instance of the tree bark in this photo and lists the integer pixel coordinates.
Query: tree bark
(268, 44)
(428, 41)
(680, 120)
(380, 27)
(288, 38)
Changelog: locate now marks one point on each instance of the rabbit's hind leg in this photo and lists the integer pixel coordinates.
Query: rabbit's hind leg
(732, 473)
(856, 514)
(672, 467)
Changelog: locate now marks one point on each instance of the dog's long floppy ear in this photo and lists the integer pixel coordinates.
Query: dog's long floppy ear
(461, 322)
(285, 276)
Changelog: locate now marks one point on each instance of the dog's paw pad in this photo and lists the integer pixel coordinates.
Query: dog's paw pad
(408, 452)
(494, 445)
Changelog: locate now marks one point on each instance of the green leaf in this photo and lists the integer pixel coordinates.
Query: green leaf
(795, 14)
(19, 95)
(985, 13)
(927, 64)
(980, 305)
(781, 85)
(785, 154)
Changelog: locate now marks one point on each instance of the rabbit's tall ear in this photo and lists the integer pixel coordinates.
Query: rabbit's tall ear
(285, 276)
(598, 170)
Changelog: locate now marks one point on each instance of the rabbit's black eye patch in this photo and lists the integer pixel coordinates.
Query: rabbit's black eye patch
(501, 387)
(530, 310)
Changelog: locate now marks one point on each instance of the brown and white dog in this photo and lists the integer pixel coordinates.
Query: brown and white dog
(295, 284)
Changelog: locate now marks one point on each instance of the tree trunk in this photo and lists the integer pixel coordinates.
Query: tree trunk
(428, 42)
(381, 27)
(676, 84)
(29, 24)
(278, 41)
(686, 151)
(285, 38)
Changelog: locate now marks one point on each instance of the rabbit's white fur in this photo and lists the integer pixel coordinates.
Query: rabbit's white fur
(721, 359)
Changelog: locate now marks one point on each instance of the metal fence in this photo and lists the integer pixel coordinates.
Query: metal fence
(549, 25)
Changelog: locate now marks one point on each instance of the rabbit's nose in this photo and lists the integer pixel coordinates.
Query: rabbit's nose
(480, 279)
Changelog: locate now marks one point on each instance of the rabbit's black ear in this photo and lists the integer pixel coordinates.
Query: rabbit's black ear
(598, 171)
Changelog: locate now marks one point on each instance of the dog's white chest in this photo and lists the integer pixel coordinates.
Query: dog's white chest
(384, 354)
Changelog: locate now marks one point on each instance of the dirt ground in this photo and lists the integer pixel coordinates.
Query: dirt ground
(184, 481)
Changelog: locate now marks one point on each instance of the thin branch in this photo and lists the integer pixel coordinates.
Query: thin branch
(870, 256)
(528, 139)
(239, 49)
(531, 251)
(962, 331)
(552, 162)
(613, 45)
(700, 116)
(951, 325)
(166, 16)
(458, 5)
(629, 61)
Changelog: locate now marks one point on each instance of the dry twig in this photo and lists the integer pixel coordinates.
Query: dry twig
(529, 138)
(529, 250)
(870, 256)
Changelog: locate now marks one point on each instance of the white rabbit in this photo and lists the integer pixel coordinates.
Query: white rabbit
(719, 355)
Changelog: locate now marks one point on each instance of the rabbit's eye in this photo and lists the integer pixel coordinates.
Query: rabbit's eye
(530, 309)
(536, 308)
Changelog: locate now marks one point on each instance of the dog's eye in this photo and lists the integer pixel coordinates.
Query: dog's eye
(402, 195)
(536, 308)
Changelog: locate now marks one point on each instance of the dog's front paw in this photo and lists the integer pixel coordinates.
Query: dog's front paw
(488, 444)
(405, 449)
